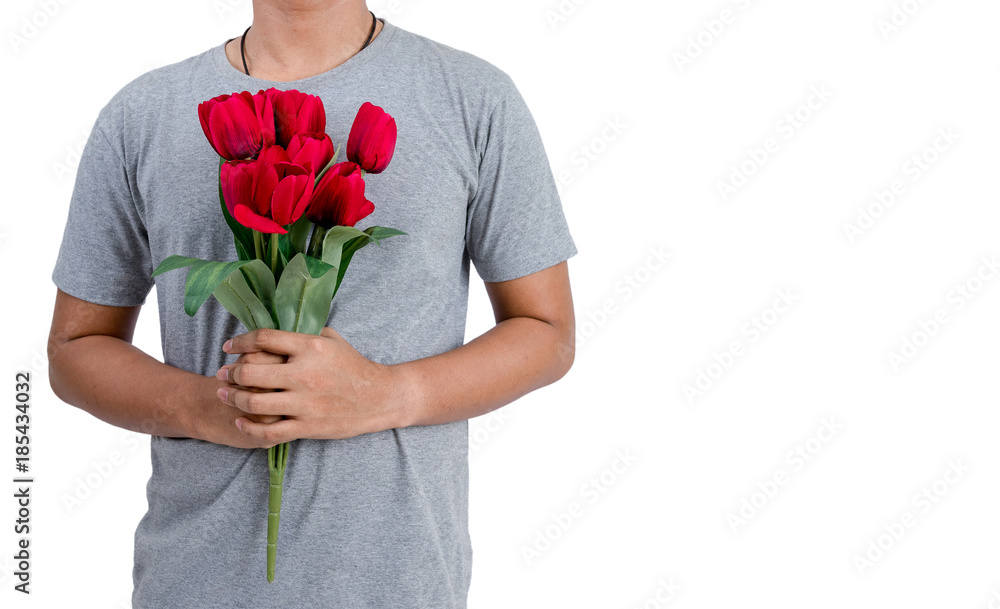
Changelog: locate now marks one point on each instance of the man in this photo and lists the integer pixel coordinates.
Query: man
(375, 507)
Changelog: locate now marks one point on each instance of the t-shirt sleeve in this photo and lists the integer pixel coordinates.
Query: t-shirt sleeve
(515, 223)
(104, 256)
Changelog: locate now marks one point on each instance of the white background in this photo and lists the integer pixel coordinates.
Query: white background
(661, 529)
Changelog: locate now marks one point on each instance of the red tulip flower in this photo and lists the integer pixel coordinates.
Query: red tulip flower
(339, 198)
(268, 193)
(314, 151)
(295, 112)
(373, 139)
(238, 125)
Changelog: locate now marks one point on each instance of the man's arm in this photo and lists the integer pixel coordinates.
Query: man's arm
(94, 366)
(328, 390)
(531, 346)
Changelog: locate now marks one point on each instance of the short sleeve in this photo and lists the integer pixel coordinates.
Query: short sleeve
(104, 256)
(515, 223)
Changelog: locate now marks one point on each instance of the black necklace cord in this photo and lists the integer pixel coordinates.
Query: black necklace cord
(243, 50)
(243, 42)
(370, 34)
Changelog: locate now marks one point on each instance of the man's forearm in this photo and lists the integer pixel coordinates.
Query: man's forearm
(120, 384)
(513, 358)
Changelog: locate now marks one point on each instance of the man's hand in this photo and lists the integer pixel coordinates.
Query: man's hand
(293, 385)
(260, 357)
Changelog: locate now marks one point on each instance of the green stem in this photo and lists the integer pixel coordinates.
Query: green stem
(311, 249)
(316, 241)
(277, 459)
(274, 254)
(258, 245)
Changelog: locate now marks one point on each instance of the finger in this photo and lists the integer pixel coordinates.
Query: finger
(267, 339)
(254, 402)
(269, 434)
(261, 357)
(261, 418)
(264, 376)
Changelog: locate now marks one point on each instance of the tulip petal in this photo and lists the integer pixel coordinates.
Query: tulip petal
(284, 117)
(265, 181)
(359, 133)
(268, 174)
(339, 198)
(311, 115)
(385, 146)
(313, 151)
(265, 115)
(296, 112)
(235, 128)
(288, 197)
(302, 202)
(372, 140)
(245, 216)
(237, 183)
(358, 213)
(204, 111)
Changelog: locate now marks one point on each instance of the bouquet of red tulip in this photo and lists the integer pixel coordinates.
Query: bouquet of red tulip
(292, 213)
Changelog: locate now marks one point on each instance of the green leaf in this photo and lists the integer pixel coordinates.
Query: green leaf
(334, 241)
(261, 281)
(235, 294)
(317, 268)
(242, 234)
(377, 233)
(297, 235)
(172, 263)
(241, 251)
(302, 301)
(370, 234)
(203, 278)
(206, 276)
(294, 241)
(284, 255)
(333, 161)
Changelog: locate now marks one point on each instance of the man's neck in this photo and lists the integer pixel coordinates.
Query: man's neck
(295, 39)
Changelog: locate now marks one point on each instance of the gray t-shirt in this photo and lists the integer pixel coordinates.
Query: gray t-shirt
(381, 519)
